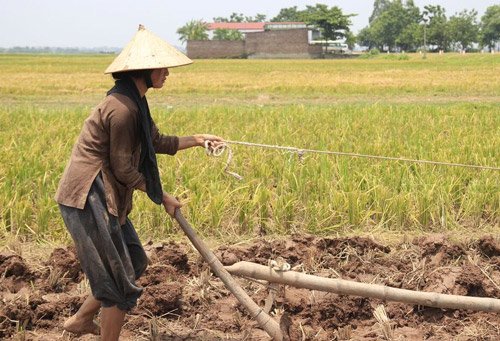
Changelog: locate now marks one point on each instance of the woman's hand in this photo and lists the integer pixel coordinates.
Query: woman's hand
(199, 140)
(213, 140)
(170, 203)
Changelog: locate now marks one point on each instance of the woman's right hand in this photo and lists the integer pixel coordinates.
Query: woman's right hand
(170, 203)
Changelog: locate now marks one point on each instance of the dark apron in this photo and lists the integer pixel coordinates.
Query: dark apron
(110, 255)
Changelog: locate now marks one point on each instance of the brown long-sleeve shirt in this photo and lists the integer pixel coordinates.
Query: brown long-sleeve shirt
(109, 143)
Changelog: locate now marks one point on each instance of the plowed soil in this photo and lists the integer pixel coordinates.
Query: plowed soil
(183, 301)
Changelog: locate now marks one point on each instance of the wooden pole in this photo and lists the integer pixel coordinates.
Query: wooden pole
(264, 320)
(344, 287)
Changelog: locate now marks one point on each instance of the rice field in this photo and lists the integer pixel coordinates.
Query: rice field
(444, 108)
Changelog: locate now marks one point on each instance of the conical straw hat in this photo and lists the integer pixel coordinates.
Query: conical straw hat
(147, 51)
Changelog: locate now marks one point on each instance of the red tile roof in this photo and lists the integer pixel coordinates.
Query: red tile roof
(256, 26)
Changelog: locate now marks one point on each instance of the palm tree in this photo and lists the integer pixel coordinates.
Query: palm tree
(193, 30)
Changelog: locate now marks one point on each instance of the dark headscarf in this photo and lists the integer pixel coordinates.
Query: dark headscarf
(148, 165)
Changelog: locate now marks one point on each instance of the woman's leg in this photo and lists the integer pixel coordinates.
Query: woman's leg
(111, 323)
(83, 321)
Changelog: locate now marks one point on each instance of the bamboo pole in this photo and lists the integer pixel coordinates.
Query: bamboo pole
(340, 286)
(264, 320)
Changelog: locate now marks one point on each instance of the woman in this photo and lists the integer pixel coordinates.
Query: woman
(113, 156)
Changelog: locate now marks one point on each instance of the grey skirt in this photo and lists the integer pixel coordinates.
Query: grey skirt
(110, 255)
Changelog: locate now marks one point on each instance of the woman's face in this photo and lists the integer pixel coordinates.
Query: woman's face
(158, 77)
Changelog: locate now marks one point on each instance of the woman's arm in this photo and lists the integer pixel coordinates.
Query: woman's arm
(165, 144)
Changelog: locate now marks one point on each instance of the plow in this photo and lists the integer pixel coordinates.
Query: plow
(276, 275)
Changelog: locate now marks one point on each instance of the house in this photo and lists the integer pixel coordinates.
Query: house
(261, 40)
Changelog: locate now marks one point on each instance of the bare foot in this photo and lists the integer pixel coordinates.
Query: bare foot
(79, 326)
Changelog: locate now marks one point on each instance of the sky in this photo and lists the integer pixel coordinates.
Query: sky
(112, 23)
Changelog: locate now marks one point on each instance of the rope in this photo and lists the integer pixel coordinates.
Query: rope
(301, 152)
(219, 150)
(212, 150)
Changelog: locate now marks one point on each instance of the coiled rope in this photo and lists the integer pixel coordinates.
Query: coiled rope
(219, 150)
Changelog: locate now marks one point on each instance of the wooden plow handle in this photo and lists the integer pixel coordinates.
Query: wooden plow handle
(345, 287)
(264, 320)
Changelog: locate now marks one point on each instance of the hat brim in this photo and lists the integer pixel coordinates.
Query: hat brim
(147, 51)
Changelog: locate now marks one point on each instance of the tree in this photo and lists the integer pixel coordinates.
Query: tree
(410, 37)
(437, 32)
(258, 18)
(379, 6)
(365, 38)
(239, 17)
(395, 25)
(223, 34)
(463, 28)
(331, 22)
(193, 30)
(234, 17)
(350, 40)
(490, 27)
(288, 14)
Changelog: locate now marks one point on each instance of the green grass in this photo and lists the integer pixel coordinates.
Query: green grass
(445, 108)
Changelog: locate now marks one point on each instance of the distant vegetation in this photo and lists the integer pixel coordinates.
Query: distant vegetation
(394, 25)
(60, 50)
(330, 21)
(401, 26)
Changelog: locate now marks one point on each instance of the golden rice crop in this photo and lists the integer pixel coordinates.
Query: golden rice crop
(445, 108)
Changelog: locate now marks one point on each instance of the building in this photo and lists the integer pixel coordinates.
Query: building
(261, 40)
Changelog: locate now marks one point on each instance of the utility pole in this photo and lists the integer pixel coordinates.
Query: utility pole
(424, 19)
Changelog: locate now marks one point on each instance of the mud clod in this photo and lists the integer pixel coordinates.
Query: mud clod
(161, 299)
(66, 263)
(439, 250)
(489, 247)
(173, 254)
(12, 265)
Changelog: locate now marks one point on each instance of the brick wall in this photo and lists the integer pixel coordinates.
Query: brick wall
(315, 50)
(280, 42)
(215, 49)
(268, 44)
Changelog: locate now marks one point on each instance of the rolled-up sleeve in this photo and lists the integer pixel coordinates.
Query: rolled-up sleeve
(123, 135)
(164, 144)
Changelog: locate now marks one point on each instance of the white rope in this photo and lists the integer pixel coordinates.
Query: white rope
(300, 152)
(217, 151)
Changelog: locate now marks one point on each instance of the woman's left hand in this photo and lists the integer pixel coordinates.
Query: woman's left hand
(213, 140)
(199, 140)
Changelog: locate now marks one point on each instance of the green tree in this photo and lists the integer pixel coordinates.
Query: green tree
(258, 18)
(379, 6)
(288, 14)
(463, 28)
(234, 17)
(350, 39)
(193, 30)
(395, 26)
(331, 22)
(223, 34)
(239, 17)
(366, 38)
(437, 31)
(490, 27)
(410, 37)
